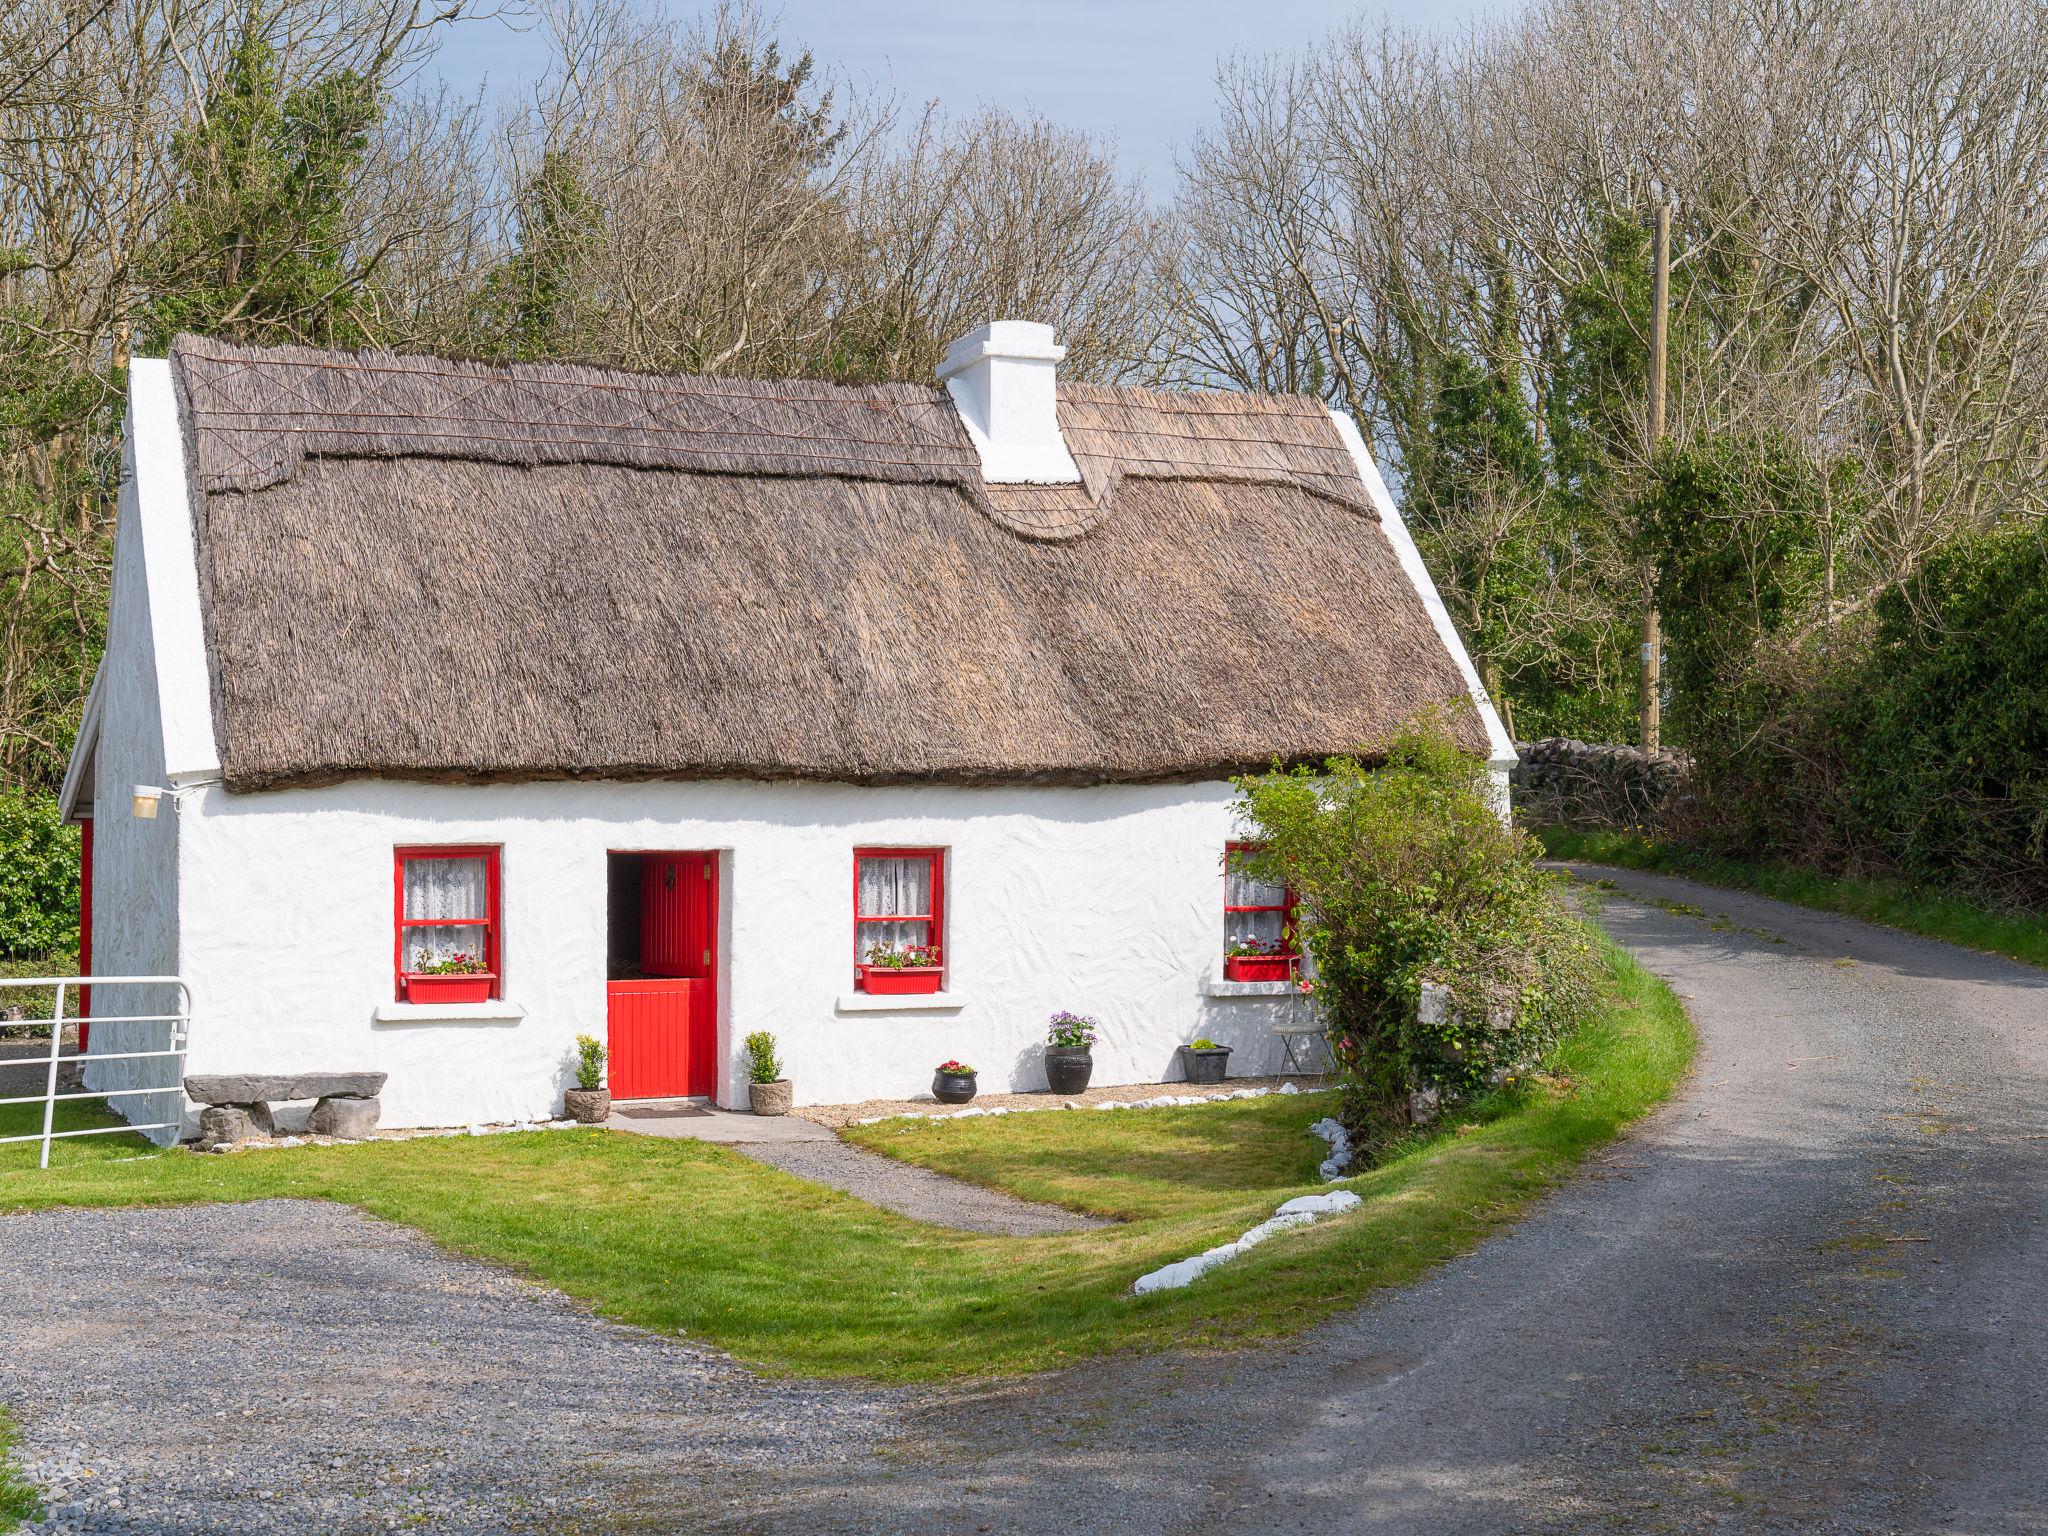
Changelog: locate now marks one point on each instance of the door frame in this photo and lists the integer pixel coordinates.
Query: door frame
(715, 972)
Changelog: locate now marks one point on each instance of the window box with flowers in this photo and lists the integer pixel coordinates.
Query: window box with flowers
(1259, 960)
(901, 972)
(455, 977)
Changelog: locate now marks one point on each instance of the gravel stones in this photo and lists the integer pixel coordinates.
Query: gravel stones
(296, 1367)
(918, 1193)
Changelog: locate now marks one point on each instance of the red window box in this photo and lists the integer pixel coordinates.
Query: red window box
(473, 988)
(900, 981)
(1259, 967)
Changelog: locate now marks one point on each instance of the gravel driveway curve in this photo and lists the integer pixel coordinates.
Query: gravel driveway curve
(1805, 1296)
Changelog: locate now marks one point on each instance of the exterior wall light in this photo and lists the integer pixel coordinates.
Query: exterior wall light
(143, 803)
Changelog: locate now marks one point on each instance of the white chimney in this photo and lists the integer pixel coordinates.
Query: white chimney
(1001, 378)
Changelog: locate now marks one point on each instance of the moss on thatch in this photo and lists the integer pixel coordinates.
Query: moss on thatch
(426, 569)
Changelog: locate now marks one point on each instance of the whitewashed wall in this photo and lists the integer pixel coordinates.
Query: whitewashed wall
(1106, 901)
(135, 862)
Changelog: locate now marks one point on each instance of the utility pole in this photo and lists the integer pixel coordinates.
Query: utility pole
(1650, 704)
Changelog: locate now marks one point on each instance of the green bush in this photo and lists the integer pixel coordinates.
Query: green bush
(1404, 874)
(38, 877)
(762, 1067)
(1917, 749)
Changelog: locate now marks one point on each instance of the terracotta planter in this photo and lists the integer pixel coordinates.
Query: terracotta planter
(1259, 967)
(1068, 1068)
(588, 1106)
(769, 1098)
(953, 1087)
(900, 980)
(474, 988)
(1210, 1066)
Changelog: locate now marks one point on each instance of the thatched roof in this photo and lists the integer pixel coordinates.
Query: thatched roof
(433, 569)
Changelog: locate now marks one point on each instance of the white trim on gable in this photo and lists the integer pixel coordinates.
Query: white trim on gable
(171, 569)
(82, 749)
(1500, 753)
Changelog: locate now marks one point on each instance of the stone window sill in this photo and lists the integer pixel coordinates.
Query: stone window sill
(497, 1011)
(914, 1002)
(1255, 989)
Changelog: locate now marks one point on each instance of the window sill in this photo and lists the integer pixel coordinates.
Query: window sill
(1258, 989)
(907, 1002)
(495, 1011)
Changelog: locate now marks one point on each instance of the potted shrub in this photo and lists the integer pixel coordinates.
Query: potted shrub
(1259, 960)
(589, 1102)
(912, 969)
(1204, 1061)
(1068, 1063)
(768, 1091)
(456, 977)
(953, 1083)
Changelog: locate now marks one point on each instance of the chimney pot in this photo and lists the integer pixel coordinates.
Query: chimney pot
(1002, 379)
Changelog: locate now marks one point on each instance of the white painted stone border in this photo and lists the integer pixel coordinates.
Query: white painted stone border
(1301, 1211)
(1161, 1101)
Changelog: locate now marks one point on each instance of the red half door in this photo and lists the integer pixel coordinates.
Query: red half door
(664, 1024)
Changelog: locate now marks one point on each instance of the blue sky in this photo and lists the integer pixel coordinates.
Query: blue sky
(1139, 70)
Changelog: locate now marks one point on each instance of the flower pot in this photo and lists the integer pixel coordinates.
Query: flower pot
(1068, 1068)
(1258, 967)
(1210, 1066)
(769, 1098)
(474, 988)
(588, 1106)
(900, 980)
(953, 1087)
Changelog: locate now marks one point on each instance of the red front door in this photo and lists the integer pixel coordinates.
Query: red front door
(663, 1023)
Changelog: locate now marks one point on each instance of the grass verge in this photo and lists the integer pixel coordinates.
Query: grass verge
(686, 1236)
(18, 1500)
(1932, 914)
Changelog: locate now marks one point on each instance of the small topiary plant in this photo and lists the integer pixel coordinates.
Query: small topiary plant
(590, 1054)
(762, 1067)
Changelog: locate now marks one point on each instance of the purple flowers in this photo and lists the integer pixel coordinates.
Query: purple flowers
(1072, 1031)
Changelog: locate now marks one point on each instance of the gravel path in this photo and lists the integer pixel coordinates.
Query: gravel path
(295, 1367)
(1803, 1298)
(917, 1193)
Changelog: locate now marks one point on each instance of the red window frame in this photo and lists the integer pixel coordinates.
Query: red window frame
(934, 921)
(1285, 906)
(490, 924)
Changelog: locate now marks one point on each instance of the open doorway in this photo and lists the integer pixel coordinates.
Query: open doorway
(661, 975)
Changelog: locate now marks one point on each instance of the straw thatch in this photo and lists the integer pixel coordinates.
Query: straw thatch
(426, 569)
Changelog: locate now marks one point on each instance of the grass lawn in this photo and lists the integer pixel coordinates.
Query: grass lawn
(678, 1235)
(1933, 914)
(18, 1500)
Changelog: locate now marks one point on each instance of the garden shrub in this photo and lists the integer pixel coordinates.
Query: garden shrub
(1917, 750)
(38, 877)
(1403, 873)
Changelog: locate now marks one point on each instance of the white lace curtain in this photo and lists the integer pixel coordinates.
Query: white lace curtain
(445, 888)
(893, 888)
(1240, 890)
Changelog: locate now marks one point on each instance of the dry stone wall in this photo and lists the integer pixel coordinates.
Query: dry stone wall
(1561, 782)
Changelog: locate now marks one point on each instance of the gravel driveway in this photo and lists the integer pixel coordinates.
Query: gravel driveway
(1804, 1297)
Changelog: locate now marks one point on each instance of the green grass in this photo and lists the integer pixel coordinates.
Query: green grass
(18, 1499)
(686, 1236)
(1934, 914)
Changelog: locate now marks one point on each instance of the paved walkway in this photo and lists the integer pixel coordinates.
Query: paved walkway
(810, 1151)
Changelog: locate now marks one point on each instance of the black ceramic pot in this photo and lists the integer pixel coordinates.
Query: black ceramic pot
(1210, 1066)
(1068, 1068)
(952, 1087)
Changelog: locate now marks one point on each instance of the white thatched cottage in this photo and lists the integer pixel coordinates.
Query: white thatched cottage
(672, 700)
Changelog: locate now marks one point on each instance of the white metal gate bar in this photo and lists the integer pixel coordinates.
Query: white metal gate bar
(178, 1028)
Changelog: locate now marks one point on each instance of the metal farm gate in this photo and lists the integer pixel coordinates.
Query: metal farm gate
(160, 1039)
